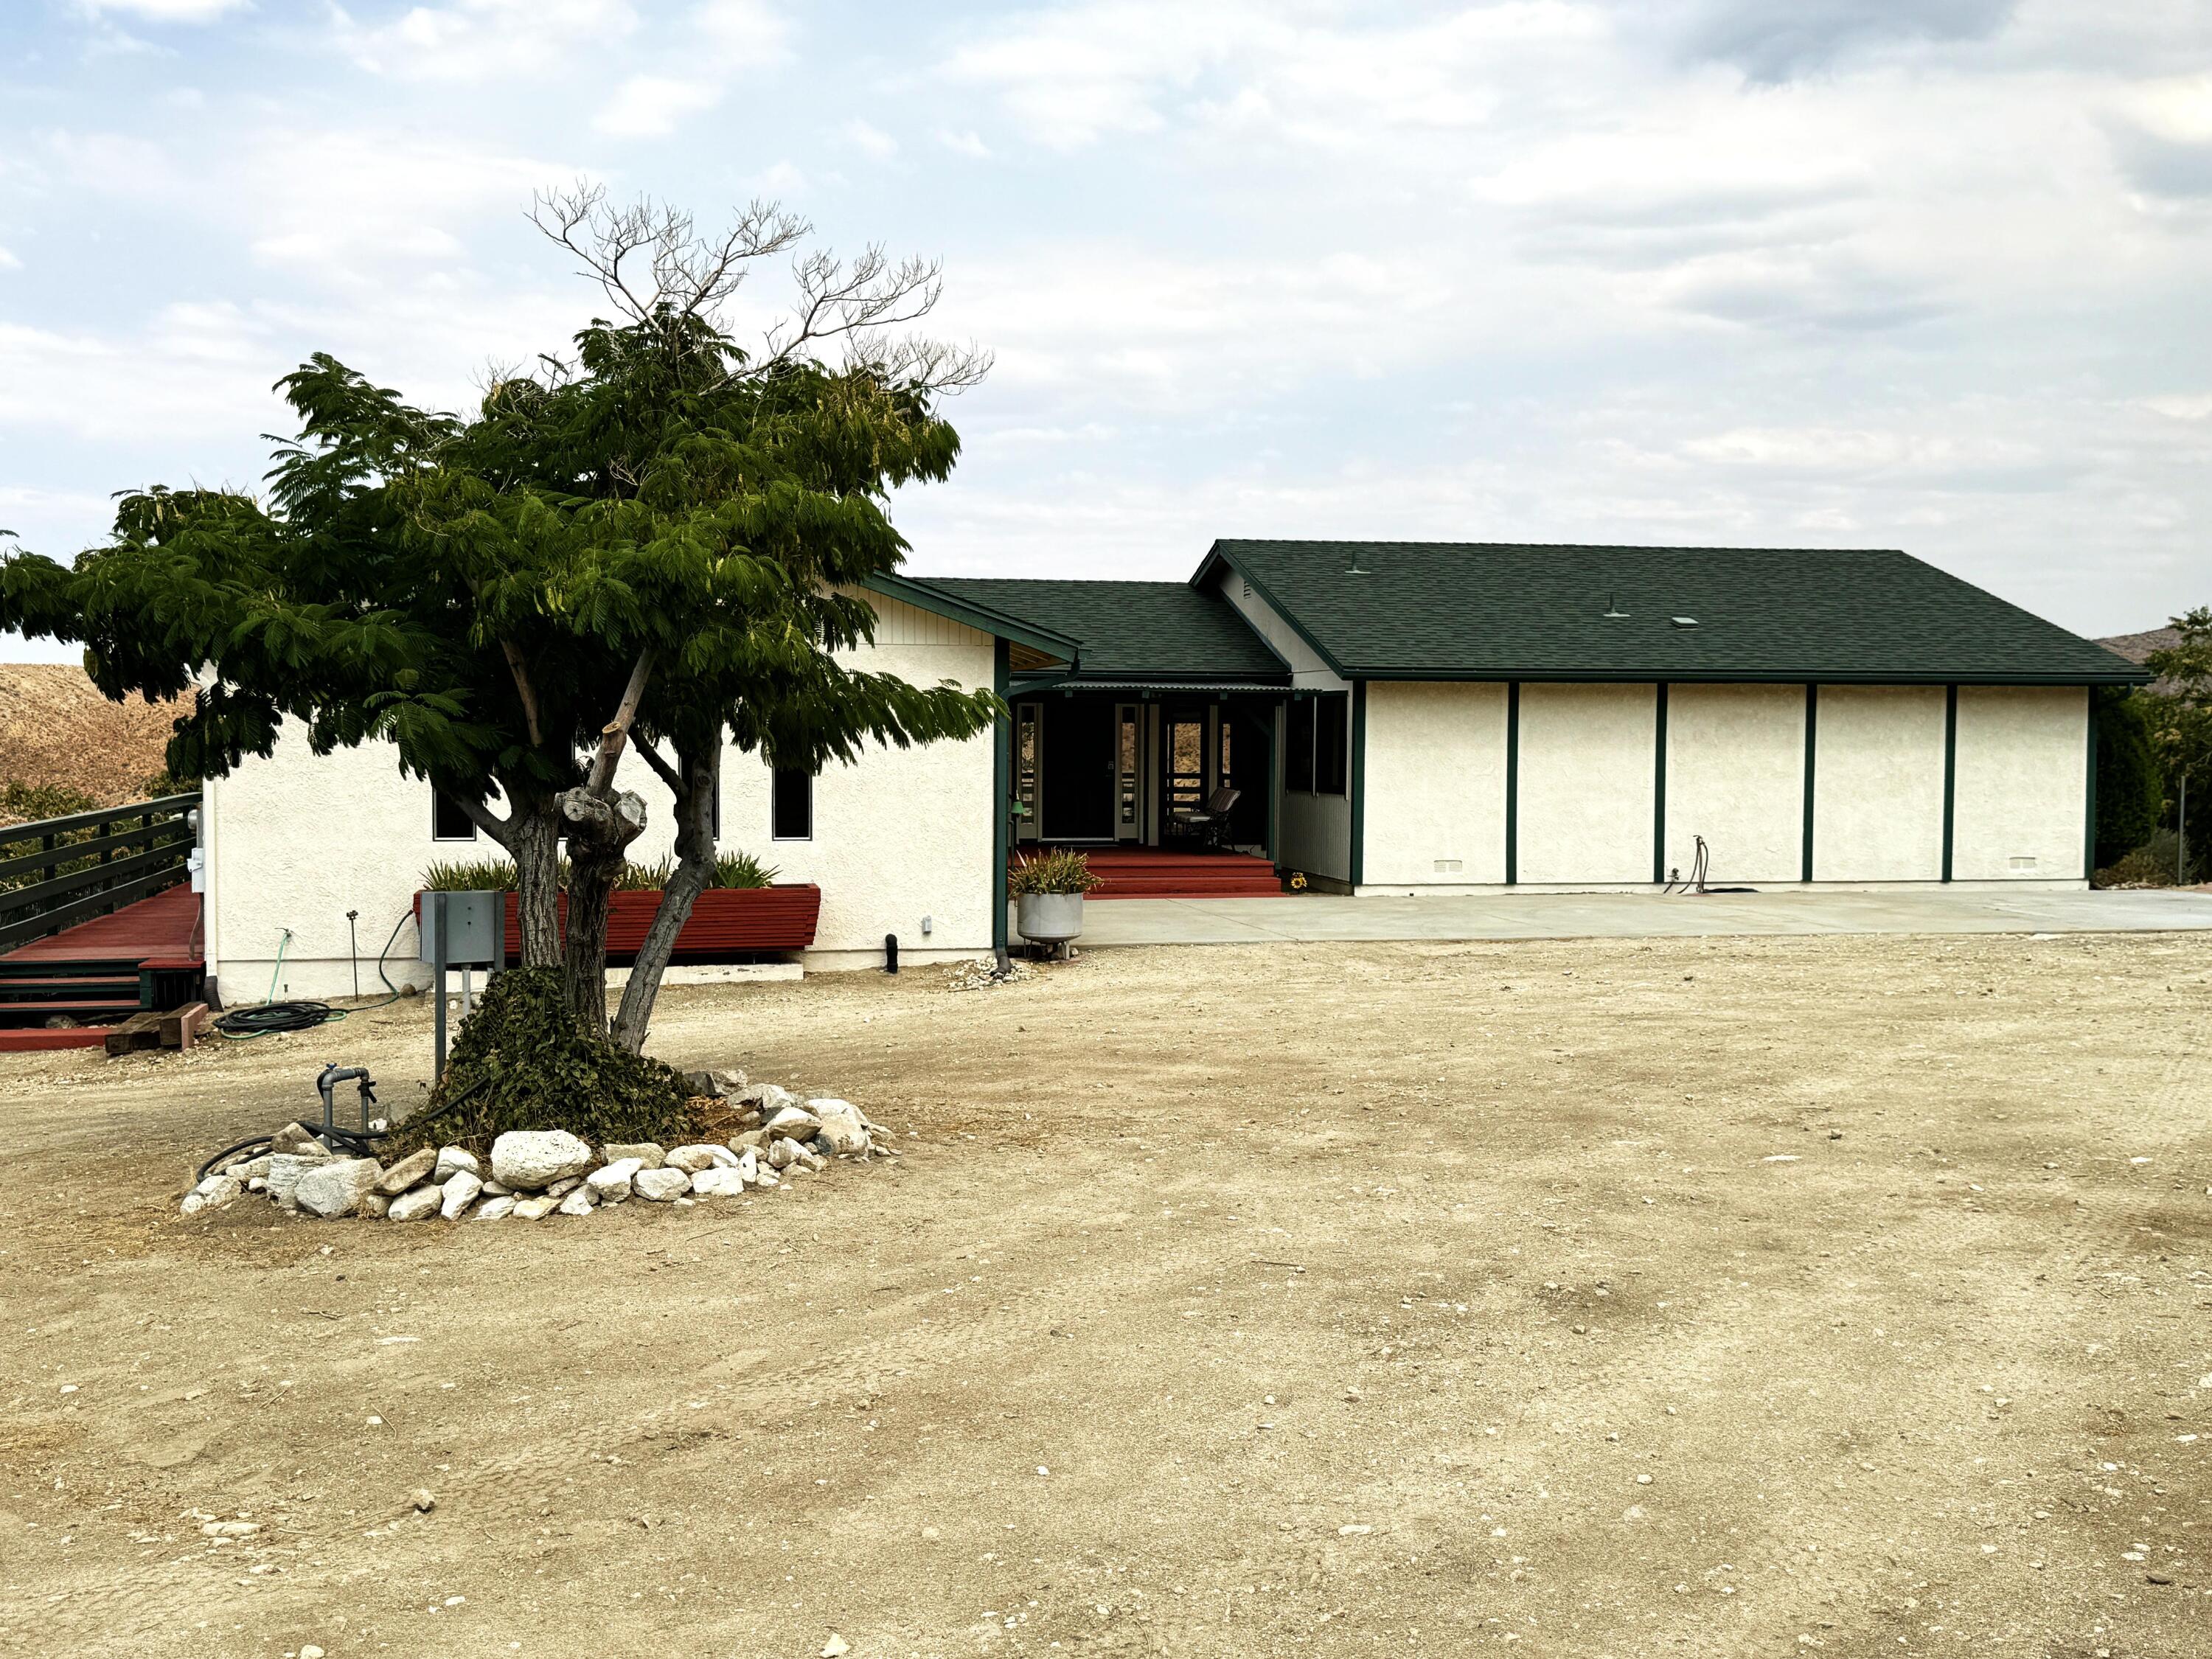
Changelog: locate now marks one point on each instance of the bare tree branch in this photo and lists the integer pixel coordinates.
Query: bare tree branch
(524, 689)
(654, 267)
(684, 274)
(667, 773)
(615, 734)
(485, 819)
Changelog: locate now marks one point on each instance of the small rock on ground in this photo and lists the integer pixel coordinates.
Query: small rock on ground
(419, 1205)
(336, 1188)
(660, 1185)
(415, 1166)
(461, 1188)
(702, 1156)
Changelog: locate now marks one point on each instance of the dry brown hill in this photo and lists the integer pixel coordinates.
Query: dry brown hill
(55, 728)
(2135, 647)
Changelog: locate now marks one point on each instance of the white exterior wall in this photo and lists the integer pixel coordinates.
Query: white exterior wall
(297, 840)
(1878, 784)
(1313, 832)
(1587, 784)
(1735, 774)
(2019, 801)
(1436, 785)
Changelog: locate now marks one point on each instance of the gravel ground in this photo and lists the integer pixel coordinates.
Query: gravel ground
(1590, 1298)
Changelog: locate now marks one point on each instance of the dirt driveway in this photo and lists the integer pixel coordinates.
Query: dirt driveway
(1592, 1299)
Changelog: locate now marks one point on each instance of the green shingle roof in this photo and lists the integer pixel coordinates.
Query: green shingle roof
(1427, 609)
(1131, 631)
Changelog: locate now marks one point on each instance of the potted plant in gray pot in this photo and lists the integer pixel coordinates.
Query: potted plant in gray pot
(1049, 891)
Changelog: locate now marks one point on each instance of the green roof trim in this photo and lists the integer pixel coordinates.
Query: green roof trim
(933, 598)
(1427, 610)
(1133, 632)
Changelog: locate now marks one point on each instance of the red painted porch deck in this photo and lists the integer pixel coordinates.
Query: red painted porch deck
(163, 927)
(1180, 873)
(90, 973)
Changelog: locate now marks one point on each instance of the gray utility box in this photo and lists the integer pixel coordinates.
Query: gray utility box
(464, 930)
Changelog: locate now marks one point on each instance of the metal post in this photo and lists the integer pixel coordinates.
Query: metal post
(433, 909)
(2181, 835)
(352, 951)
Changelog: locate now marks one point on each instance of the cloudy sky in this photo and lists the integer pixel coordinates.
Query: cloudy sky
(1919, 273)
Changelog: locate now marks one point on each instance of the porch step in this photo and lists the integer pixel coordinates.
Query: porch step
(38, 1039)
(1151, 873)
(1131, 887)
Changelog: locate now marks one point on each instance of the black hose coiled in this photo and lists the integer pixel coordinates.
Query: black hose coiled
(266, 1018)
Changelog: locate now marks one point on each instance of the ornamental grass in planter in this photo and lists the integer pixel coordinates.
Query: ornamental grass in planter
(1048, 890)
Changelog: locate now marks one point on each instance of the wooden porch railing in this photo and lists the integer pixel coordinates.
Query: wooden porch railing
(56, 872)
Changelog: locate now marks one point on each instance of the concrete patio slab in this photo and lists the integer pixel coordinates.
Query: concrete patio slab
(1313, 917)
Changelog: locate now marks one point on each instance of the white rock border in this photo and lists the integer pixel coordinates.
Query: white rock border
(533, 1174)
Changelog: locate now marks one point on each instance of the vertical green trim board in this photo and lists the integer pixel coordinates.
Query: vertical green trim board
(1659, 790)
(1002, 789)
(1358, 781)
(1812, 751)
(1512, 782)
(1950, 771)
(2089, 791)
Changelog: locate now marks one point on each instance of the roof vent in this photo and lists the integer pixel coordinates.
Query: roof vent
(1683, 622)
(1356, 569)
(1612, 610)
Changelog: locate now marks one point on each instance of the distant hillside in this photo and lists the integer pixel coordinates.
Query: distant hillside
(56, 729)
(2138, 646)
(2135, 647)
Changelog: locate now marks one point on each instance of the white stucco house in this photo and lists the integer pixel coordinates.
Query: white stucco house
(1394, 718)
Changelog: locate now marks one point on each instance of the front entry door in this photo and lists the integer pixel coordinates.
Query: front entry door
(1184, 768)
(1078, 774)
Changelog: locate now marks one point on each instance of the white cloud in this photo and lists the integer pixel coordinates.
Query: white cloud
(192, 366)
(357, 207)
(650, 105)
(965, 142)
(872, 139)
(2182, 406)
(474, 41)
(9, 261)
(744, 31)
(168, 11)
(721, 42)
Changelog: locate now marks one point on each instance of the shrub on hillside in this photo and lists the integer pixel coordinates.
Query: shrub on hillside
(521, 1062)
(32, 801)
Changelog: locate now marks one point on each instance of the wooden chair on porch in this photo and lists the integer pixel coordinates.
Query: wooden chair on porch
(1208, 823)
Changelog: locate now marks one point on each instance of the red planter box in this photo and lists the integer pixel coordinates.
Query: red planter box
(726, 923)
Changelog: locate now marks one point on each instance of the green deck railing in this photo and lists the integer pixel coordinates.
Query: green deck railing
(56, 873)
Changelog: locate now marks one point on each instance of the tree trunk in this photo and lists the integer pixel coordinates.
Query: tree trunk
(602, 830)
(701, 775)
(604, 822)
(535, 842)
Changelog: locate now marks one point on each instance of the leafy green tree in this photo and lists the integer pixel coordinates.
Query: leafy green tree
(2179, 716)
(2130, 793)
(652, 543)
